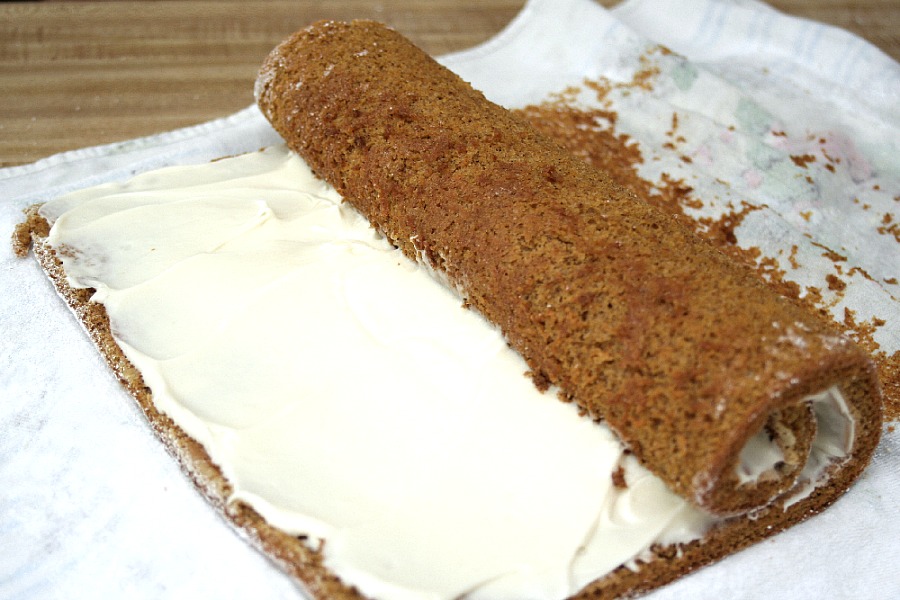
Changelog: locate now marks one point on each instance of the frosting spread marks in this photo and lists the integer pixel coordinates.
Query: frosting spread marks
(348, 397)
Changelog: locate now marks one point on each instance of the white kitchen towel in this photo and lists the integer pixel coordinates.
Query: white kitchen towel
(800, 120)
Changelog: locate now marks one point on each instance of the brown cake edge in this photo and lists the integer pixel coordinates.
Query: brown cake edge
(289, 553)
(305, 564)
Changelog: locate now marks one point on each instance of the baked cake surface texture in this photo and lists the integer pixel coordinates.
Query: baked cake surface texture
(339, 407)
(686, 355)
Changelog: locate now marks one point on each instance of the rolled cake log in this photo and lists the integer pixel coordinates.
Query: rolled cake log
(708, 376)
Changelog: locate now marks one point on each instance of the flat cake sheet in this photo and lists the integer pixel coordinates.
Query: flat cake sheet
(799, 120)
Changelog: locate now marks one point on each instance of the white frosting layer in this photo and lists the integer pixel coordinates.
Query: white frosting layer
(759, 455)
(832, 444)
(347, 396)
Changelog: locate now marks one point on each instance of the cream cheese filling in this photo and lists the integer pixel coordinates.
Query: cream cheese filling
(831, 445)
(759, 455)
(347, 396)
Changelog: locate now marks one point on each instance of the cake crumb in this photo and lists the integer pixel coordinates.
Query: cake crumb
(830, 254)
(889, 226)
(802, 160)
(793, 257)
(618, 478)
(835, 283)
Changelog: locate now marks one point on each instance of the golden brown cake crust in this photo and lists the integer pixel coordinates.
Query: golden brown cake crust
(684, 353)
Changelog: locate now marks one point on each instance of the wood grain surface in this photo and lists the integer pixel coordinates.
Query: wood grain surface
(77, 73)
